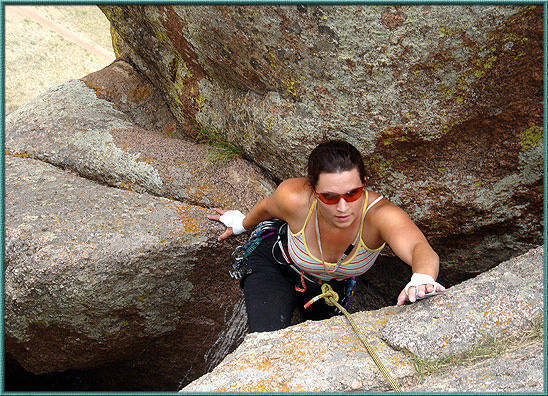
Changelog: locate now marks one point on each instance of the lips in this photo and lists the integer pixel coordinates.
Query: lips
(342, 218)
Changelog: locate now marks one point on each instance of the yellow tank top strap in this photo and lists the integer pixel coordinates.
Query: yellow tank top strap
(307, 217)
(363, 214)
(361, 226)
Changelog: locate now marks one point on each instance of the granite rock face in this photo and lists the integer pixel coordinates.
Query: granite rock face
(520, 370)
(326, 356)
(115, 129)
(110, 262)
(444, 101)
(496, 304)
(93, 274)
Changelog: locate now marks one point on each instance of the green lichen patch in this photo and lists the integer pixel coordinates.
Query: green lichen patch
(117, 42)
(446, 31)
(530, 137)
(489, 63)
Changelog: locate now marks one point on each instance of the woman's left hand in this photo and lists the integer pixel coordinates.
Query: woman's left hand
(415, 290)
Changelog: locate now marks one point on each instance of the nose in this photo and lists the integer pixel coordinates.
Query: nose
(342, 205)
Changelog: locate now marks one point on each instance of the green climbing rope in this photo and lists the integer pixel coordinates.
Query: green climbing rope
(331, 297)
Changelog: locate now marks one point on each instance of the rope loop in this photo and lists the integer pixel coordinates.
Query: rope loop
(331, 298)
(328, 293)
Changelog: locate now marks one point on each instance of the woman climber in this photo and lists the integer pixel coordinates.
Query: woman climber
(336, 230)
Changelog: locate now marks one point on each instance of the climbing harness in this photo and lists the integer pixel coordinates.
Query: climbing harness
(239, 256)
(264, 230)
(331, 298)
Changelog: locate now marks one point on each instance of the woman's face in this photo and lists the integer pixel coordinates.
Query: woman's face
(341, 214)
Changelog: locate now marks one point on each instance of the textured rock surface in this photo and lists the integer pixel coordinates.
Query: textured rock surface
(133, 95)
(311, 357)
(498, 303)
(517, 371)
(127, 144)
(445, 101)
(326, 356)
(105, 270)
(95, 274)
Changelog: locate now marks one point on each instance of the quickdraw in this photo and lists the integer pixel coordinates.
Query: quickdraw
(239, 256)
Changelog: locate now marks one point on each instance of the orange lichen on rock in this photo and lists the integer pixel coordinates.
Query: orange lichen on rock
(137, 94)
(127, 185)
(96, 88)
(170, 127)
(22, 154)
(267, 385)
(445, 341)
(263, 364)
(189, 222)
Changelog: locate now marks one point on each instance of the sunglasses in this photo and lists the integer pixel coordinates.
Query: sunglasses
(331, 199)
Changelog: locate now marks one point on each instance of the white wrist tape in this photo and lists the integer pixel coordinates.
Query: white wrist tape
(422, 279)
(234, 219)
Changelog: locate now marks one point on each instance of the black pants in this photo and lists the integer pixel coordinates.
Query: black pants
(270, 296)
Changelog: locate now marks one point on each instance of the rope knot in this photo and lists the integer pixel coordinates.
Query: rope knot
(328, 293)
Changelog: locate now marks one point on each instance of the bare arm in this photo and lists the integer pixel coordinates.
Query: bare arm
(282, 204)
(409, 244)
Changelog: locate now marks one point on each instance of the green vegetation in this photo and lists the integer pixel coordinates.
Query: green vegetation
(221, 150)
(488, 349)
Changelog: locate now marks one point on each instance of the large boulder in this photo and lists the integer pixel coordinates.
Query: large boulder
(114, 128)
(485, 316)
(111, 264)
(94, 274)
(445, 102)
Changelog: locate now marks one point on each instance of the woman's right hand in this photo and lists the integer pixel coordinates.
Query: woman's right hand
(233, 219)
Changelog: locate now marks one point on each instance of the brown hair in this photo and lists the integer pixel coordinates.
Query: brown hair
(334, 156)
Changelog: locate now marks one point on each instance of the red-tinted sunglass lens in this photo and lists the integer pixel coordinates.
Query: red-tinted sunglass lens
(353, 195)
(329, 199)
(350, 196)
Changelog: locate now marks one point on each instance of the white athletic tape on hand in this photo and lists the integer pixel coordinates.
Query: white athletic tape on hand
(422, 279)
(234, 219)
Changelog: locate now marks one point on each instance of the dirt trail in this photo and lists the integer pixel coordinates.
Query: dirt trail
(47, 45)
(66, 34)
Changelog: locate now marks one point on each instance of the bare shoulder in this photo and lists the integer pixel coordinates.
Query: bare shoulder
(373, 196)
(293, 194)
(383, 209)
(386, 215)
(391, 224)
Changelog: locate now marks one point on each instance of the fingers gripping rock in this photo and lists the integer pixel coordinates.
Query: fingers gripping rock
(423, 279)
